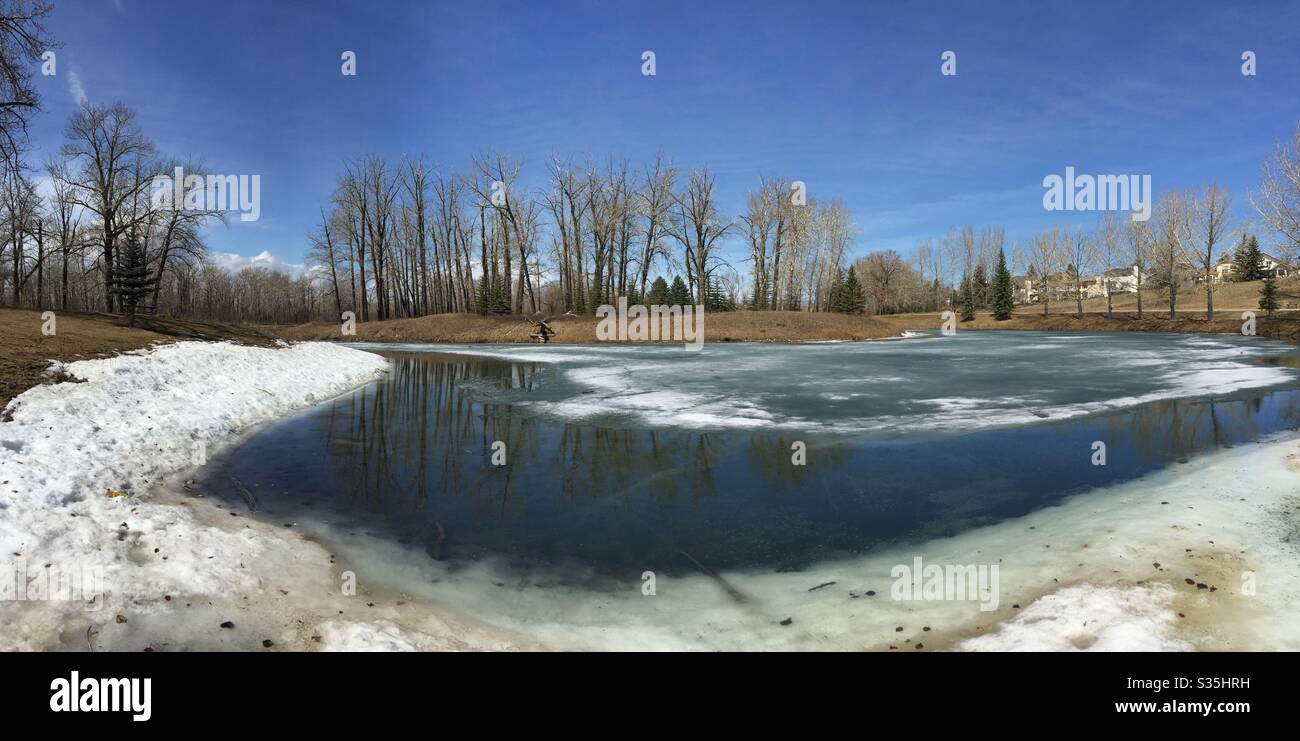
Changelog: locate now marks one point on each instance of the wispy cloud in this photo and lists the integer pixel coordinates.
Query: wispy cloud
(75, 87)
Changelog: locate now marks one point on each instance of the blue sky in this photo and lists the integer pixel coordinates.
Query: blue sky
(846, 96)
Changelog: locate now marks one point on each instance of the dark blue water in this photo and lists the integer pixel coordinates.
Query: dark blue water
(409, 458)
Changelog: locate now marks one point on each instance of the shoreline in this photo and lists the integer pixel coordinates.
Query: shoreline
(781, 327)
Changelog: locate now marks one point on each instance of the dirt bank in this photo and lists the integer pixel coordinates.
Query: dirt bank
(26, 353)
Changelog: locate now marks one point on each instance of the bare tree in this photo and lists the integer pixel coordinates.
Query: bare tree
(1079, 251)
(656, 198)
(109, 164)
(1208, 221)
(698, 226)
(1173, 217)
(22, 41)
(1278, 199)
(1140, 242)
(1109, 250)
(1045, 258)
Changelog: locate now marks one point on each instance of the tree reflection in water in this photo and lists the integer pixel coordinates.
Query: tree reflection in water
(410, 457)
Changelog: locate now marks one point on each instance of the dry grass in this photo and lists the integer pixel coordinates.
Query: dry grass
(25, 353)
(1285, 325)
(1227, 296)
(738, 326)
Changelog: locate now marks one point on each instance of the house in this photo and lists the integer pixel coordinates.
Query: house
(1273, 267)
(1062, 285)
(1058, 287)
(1226, 271)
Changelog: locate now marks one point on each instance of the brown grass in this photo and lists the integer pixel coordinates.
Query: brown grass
(1227, 297)
(25, 353)
(1285, 325)
(738, 326)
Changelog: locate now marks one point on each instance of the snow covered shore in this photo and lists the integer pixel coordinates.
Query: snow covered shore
(78, 458)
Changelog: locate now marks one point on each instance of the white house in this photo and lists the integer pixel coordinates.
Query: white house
(1271, 266)
(1111, 282)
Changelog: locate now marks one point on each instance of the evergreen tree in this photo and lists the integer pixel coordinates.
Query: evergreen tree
(659, 295)
(1268, 296)
(1003, 297)
(837, 290)
(483, 301)
(500, 303)
(852, 299)
(1247, 262)
(132, 279)
(981, 286)
(678, 293)
(714, 298)
(967, 299)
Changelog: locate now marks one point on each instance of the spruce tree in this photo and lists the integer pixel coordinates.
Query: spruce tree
(714, 298)
(132, 280)
(1268, 296)
(483, 301)
(1003, 297)
(852, 300)
(837, 291)
(967, 299)
(981, 286)
(678, 294)
(500, 297)
(1247, 260)
(658, 295)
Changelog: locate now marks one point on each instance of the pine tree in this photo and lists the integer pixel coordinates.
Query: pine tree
(981, 286)
(500, 299)
(714, 298)
(837, 291)
(1003, 297)
(658, 294)
(132, 280)
(967, 299)
(1268, 296)
(852, 300)
(679, 295)
(483, 301)
(1247, 262)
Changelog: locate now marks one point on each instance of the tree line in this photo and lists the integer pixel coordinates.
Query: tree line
(402, 238)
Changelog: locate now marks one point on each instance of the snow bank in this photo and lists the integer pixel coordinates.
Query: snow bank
(1086, 618)
(77, 457)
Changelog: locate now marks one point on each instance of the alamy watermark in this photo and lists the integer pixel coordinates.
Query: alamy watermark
(1098, 193)
(194, 192)
(638, 323)
(23, 581)
(934, 583)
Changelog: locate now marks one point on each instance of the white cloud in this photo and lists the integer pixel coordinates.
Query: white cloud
(234, 263)
(75, 87)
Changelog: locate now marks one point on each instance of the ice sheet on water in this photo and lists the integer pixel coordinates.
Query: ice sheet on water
(969, 381)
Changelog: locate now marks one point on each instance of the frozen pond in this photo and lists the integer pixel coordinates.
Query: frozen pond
(620, 460)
